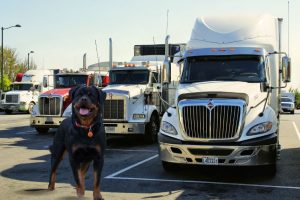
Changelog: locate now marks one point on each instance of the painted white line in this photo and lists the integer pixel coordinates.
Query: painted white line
(205, 182)
(131, 166)
(132, 150)
(26, 133)
(15, 123)
(297, 131)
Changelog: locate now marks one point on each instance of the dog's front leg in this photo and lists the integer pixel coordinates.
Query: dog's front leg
(78, 176)
(56, 156)
(98, 164)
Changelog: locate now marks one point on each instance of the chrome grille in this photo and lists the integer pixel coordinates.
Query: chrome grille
(50, 106)
(220, 122)
(12, 98)
(114, 109)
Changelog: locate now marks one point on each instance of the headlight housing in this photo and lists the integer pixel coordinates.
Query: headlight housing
(22, 103)
(260, 128)
(139, 116)
(168, 128)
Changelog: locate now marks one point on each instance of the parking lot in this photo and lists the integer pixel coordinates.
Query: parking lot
(133, 170)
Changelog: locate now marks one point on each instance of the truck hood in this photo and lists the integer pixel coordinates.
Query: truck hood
(18, 92)
(235, 89)
(58, 91)
(128, 90)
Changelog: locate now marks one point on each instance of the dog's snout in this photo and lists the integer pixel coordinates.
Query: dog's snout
(84, 99)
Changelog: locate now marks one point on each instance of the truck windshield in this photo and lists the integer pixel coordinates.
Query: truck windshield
(246, 68)
(286, 100)
(129, 77)
(26, 86)
(67, 81)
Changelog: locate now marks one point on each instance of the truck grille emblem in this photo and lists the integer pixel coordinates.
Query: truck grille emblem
(210, 105)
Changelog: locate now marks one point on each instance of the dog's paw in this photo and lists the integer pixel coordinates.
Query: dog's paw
(80, 191)
(51, 187)
(98, 196)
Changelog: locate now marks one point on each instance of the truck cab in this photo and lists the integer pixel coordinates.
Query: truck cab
(23, 95)
(48, 113)
(227, 104)
(132, 101)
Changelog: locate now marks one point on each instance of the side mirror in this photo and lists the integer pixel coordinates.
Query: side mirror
(286, 69)
(166, 72)
(45, 82)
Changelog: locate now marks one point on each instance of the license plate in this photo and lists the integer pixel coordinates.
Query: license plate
(109, 129)
(210, 160)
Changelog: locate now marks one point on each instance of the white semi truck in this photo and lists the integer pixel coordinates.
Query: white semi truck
(133, 103)
(227, 104)
(24, 95)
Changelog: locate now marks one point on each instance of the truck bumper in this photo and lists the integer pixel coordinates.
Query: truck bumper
(46, 122)
(124, 128)
(15, 107)
(249, 153)
(287, 109)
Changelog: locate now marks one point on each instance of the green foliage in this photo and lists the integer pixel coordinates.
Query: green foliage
(6, 82)
(297, 94)
(12, 65)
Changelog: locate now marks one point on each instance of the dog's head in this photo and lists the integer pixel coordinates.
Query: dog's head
(87, 103)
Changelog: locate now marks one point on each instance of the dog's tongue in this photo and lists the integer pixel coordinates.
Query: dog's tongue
(83, 111)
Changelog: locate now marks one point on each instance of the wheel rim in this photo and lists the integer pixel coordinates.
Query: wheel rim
(154, 128)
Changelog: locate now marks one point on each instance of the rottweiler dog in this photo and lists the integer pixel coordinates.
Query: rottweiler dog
(82, 136)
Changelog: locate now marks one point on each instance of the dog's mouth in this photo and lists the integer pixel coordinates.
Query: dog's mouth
(84, 110)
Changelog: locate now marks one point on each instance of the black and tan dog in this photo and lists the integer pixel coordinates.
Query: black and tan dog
(83, 137)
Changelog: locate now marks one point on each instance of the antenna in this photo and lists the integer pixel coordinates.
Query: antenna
(167, 22)
(97, 55)
(288, 28)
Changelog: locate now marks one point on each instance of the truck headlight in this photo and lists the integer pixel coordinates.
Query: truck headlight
(139, 116)
(260, 128)
(168, 128)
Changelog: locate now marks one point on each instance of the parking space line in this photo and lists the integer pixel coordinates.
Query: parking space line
(10, 123)
(204, 182)
(296, 129)
(130, 167)
(26, 133)
(132, 150)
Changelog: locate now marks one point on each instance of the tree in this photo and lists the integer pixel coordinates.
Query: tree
(6, 82)
(12, 65)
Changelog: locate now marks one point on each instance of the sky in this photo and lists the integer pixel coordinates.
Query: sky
(61, 31)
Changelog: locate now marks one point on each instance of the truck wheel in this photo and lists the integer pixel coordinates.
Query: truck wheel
(30, 107)
(42, 131)
(151, 130)
(292, 112)
(8, 112)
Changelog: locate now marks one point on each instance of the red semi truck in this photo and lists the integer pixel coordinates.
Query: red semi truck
(48, 113)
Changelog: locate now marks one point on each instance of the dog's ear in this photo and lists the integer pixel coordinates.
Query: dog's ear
(73, 91)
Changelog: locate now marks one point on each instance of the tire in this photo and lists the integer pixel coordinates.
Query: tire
(152, 129)
(292, 112)
(30, 107)
(8, 112)
(42, 131)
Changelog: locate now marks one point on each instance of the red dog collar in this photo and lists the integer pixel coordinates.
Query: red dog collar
(90, 132)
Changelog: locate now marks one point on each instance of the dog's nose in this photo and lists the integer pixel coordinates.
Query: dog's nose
(83, 99)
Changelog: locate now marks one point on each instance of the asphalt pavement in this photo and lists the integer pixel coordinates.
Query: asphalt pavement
(133, 170)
